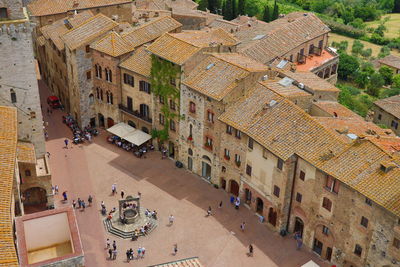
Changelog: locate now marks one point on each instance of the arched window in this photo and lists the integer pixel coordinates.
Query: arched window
(96, 68)
(91, 99)
(98, 93)
(111, 98)
(190, 130)
(110, 76)
(101, 94)
(13, 96)
(100, 72)
(108, 97)
(190, 152)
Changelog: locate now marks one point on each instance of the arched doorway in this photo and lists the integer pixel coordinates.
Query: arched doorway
(190, 163)
(234, 188)
(223, 183)
(171, 149)
(101, 120)
(272, 215)
(110, 122)
(132, 124)
(259, 206)
(206, 168)
(247, 196)
(299, 226)
(144, 129)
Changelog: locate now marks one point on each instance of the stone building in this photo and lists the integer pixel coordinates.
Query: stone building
(180, 52)
(387, 112)
(11, 10)
(392, 62)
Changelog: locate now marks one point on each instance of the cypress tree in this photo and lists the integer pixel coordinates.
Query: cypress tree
(234, 9)
(229, 8)
(396, 7)
(267, 14)
(203, 5)
(242, 6)
(275, 13)
(224, 9)
(212, 6)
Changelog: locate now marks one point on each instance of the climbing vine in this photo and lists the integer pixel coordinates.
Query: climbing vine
(162, 73)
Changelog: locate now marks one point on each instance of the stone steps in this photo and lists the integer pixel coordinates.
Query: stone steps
(125, 235)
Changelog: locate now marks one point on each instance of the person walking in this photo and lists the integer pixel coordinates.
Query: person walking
(220, 204)
(48, 155)
(128, 255)
(64, 194)
(175, 249)
(114, 245)
(250, 250)
(209, 211)
(90, 200)
(139, 194)
(74, 203)
(143, 252)
(114, 253)
(79, 203)
(110, 252)
(114, 189)
(56, 189)
(108, 243)
(122, 194)
(66, 143)
(46, 135)
(132, 254)
(237, 203)
(171, 219)
(83, 205)
(139, 252)
(242, 226)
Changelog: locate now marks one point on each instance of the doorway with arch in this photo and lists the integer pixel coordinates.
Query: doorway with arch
(234, 188)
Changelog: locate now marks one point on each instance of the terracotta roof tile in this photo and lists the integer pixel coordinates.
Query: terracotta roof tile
(286, 91)
(112, 44)
(224, 24)
(41, 40)
(26, 152)
(39, 8)
(150, 31)
(311, 81)
(205, 38)
(391, 60)
(139, 62)
(390, 105)
(335, 109)
(8, 149)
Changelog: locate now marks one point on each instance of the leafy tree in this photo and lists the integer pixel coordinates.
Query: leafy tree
(224, 9)
(396, 81)
(361, 79)
(357, 47)
(385, 51)
(234, 9)
(242, 7)
(203, 5)
(366, 53)
(375, 84)
(386, 5)
(212, 6)
(348, 66)
(380, 30)
(267, 14)
(390, 92)
(228, 10)
(387, 74)
(396, 6)
(358, 23)
(275, 12)
(320, 6)
(366, 12)
(345, 98)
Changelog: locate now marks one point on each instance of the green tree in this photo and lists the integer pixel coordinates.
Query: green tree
(396, 7)
(386, 5)
(376, 82)
(234, 9)
(320, 6)
(380, 30)
(385, 51)
(366, 53)
(213, 6)
(203, 5)
(396, 81)
(275, 12)
(229, 8)
(224, 9)
(267, 14)
(242, 7)
(387, 74)
(361, 79)
(345, 98)
(357, 47)
(348, 66)
(358, 23)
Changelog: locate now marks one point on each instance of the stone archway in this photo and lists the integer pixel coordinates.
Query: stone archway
(272, 216)
(259, 206)
(234, 187)
(299, 226)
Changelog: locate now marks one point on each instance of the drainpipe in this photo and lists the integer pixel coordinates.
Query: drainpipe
(291, 196)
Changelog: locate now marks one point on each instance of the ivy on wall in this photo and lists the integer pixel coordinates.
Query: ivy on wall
(162, 73)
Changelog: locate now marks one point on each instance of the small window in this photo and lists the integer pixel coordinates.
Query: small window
(250, 144)
(332, 184)
(226, 154)
(33, 115)
(277, 191)
(210, 116)
(237, 160)
(161, 99)
(27, 173)
(396, 243)
(209, 142)
(161, 119)
(172, 81)
(228, 129)
(192, 107)
(88, 75)
(358, 250)
(265, 153)
(144, 87)
(172, 126)
(368, 201)
(13, 96)
(302, 175)
(299, 197)
(327, 203)
(325, 230)
(394, 124)
(379, 116)
(248, 169)
(87, 48)
(238, 134)
(172, 104)
(128, 79)
(364, 221)
(280, 164)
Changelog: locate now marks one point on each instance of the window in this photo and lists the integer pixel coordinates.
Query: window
(327, 204)
(88, 75)
(33, 114)
(325, 230)
(364, 221)
(108, 97)
(237, 160)
(161, 119)
(108, 75)
(172, 81)
(291, 58)
(98, 93)
(302, 175)
(396, 243)
(277, 191)
(13, 96)
(379, 116)
(226, 154)
(299, 197)
(358, 250)
(101, 94)
(172, 104)
(144, 87)
(87, 48)
(161, 99)
(238, 134)
(96, 68)
(394, 124)
(91, 99)
(320, 43)
(250, 143)
(209, 142)
(27, 173)
(3, 13)
(228, 129)
(172, 126)
(248, 169)
(129, 103)
(210, 116)
(280, 164)
(111, 99)
(128, 79)
(144, 111)
(332, 184)
(368, 201)
(265, 153)
(192, 107)
(100, 72)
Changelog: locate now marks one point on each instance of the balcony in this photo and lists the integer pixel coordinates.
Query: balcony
(135, 113)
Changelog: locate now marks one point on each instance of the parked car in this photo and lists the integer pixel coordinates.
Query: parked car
(54, 102)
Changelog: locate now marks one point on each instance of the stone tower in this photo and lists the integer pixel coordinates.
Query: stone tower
(11, 10)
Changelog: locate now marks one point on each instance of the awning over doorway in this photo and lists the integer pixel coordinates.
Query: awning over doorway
(130, 134)
(310, 264)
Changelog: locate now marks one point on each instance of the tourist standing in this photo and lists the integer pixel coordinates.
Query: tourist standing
(83, 205)
(114, 189)
(114, 245)
(128, 255)
(209, 211)
(73, 203)
(122, 194)
(143, 252)
(220, 204)
(79, 203)
(56, 189)
(66, 143)
(64, 194)
(90, 200)
(250, 250)
(171, 219)
(139, 252)
(237, 203)
(110, 252)
(108, 243)
(132, 254)
(114, 254)
(175, 249)
(139, 194)
(242, 226)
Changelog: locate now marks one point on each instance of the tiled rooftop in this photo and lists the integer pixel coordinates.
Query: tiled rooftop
(8, 150)
(335, 109)
(314, 61)
(26, 152)
(139, 62)
(390, 105)
(391, 60)
(112, 44)
(287, 91)
(311, 81)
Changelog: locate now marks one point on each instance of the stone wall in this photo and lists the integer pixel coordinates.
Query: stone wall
(14, 9)
(385, 119)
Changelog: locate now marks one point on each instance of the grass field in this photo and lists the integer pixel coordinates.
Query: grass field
(392, 25)
(375, 48)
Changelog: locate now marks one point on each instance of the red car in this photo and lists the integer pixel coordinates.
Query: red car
(54, 102)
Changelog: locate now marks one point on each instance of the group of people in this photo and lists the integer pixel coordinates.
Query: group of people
(81, 203)
(130, 254)
(137, 151)
(79, 136)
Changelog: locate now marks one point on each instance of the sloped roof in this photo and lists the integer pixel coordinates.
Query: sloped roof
(139, 62)
(335, 109)
(112, 44)
(287, 91)
(311, 81)
(224, 24)
(26, 152)
(207, 37)
(391, 60)
(390, 105)
(86, 32)
(39, 8)
(281, 36)
(8, 150)
(150, 31)
(233, 67)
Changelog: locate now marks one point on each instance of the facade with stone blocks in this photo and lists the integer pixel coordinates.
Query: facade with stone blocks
(11, 10)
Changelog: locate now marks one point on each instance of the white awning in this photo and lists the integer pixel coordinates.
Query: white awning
(130, 134)
(310, 264)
